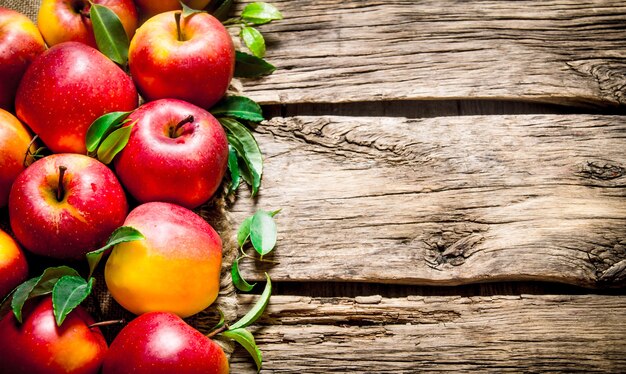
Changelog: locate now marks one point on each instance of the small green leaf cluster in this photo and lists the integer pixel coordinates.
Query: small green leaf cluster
(260, 231)
(245, 160)
(67, 286)
(237, 331)
(257, 13)
(107, 136)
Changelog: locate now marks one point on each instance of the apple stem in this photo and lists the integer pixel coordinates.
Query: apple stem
(61, 188)
(174, 130)
(108, 323)
(217, 331)
(180, 34)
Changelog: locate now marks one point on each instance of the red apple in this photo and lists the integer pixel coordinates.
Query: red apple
(195, 65)
(14, 142)
(20, 43)
(38, 345)
(162, 343)
(177, 153)
(68, 20)
(65, 89)
(151, 7)
(175, 269)
(65, 214)
(13, 266)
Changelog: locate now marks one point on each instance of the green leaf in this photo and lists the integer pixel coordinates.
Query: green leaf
(257, 309)
(249, 66)
(67, 294)
(247, 148)
(254, 41)
(239, 107)
(263, 232)
(110, 36)
(221, 322)
(238, 280)
(233, 166)
(120, 235)
(103, 126)
(248, 176)
(114, 143)
(274, 212)
(5, 305)
(246, 339)
(38, 286)
(260, 13)
(189, 11)
(244, 231)
(221, 9)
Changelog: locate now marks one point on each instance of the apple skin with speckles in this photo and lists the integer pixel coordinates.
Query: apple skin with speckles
(64, 21)
(65, 89)
(162, 343)
(176, 268)
(196, 67)
(92, 205)
(20, 43)
(161, 163)
(39, 346)
(13, 265)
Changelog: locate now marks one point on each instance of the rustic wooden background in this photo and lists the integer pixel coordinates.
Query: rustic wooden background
(419, 149)
(452, 178)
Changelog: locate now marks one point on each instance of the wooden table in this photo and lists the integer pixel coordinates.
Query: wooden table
(452, 178)
(419, 149)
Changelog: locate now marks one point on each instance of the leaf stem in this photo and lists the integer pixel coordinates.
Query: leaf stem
(28, 152)
(232, 22)
(217, 331)
(108, 323)
(61, 187)
(244, 254)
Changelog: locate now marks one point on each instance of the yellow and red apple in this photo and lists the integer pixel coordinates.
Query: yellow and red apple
(39, 346)
(20, 43)
(177, 153)
(193, 60)
(176, 268)
(68, 20)
(66, 205)
(162, 343)
(65, 89)
(13, 266)
(14, 142)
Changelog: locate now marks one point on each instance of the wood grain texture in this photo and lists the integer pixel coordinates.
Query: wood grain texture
(415, 334)
(555, 51)
(448, 200)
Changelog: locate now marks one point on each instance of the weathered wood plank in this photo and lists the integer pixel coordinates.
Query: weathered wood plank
(555, 51)
(415, 334)
(447, 200)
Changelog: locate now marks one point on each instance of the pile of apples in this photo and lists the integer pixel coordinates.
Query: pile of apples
(55, 83)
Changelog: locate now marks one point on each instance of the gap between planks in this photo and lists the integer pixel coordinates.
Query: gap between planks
(431, 108)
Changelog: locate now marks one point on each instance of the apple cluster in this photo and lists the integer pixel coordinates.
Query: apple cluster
(54, 84)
